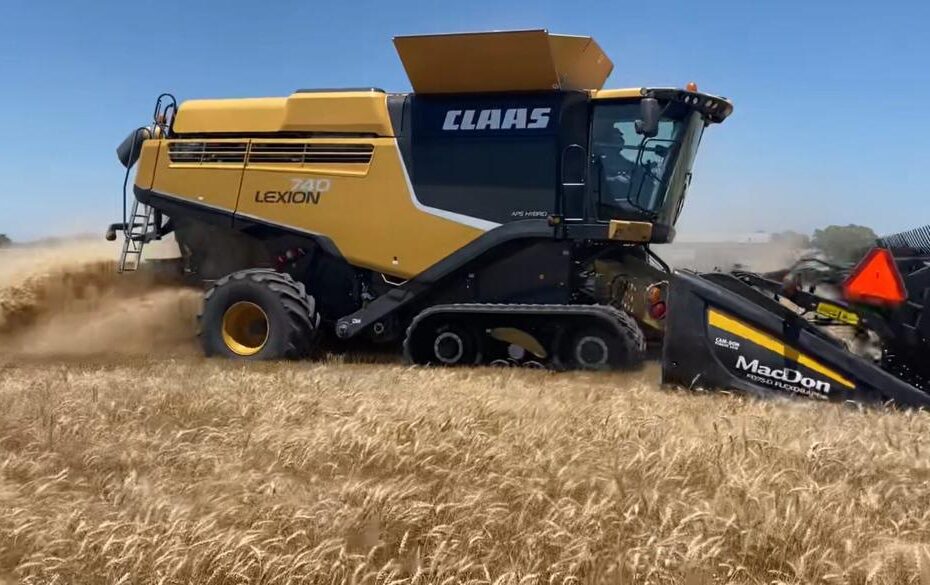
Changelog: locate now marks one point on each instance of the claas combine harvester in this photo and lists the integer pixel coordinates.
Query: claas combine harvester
(500, 213)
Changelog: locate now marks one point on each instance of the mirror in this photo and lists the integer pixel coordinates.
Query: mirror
(649, 113)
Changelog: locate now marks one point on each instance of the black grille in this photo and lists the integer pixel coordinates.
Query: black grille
(303, 153)
(916, 239)
(207, 152)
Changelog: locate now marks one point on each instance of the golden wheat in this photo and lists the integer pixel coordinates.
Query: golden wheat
(195, 471)
(125, 459)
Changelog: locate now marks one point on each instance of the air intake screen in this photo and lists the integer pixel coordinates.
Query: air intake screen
(297, 153)
(207, 152)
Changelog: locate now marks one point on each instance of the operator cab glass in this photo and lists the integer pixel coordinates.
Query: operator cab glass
(642, 178)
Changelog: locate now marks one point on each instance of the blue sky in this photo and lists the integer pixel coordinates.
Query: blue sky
(830, 123)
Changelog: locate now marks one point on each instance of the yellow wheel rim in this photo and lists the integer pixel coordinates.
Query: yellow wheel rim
(245, 328)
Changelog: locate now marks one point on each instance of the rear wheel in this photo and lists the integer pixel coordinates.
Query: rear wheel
(258, 314)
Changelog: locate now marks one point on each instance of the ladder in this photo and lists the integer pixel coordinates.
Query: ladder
(135, 236)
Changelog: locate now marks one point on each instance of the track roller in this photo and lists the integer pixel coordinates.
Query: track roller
(445, 342)
(602, 348)
(591, 337)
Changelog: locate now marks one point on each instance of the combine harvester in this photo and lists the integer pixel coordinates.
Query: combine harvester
(502, 212)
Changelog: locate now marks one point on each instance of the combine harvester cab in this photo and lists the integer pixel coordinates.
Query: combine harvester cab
(737, 332)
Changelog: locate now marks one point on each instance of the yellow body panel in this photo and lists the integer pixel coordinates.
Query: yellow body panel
(367, 210)
(371, 218)
(231, 115)
(359, 112)
(214, 185)
(629, 231)
(529, 60)
(148, 159)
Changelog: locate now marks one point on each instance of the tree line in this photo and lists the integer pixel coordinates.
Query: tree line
(843, 244)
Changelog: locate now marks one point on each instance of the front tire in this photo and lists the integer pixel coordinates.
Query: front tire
(258, 314)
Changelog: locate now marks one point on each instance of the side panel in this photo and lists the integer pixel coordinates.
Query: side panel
(721, 333)
(351, 111)
(495, 158)
(522, 271)
(362, 112)
(749, 354)
(362, 202)
(148, 161)
(205, 172)
(470, 164)
(231, 115)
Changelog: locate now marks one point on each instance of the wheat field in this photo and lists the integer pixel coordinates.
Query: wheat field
(123, 461)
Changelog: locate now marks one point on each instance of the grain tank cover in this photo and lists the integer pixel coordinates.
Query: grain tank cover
(530, 60)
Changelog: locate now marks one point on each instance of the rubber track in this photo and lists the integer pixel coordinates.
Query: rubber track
(623, 321)
(294, 298)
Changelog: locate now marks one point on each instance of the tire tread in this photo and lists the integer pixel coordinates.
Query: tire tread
(299, 307)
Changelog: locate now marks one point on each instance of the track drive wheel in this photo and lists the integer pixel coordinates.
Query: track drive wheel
(258, 314)
(444, 344)
(596, 347)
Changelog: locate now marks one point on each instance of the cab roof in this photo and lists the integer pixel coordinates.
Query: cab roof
(502, 61)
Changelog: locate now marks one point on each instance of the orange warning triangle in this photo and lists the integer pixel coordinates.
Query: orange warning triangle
(876, 280)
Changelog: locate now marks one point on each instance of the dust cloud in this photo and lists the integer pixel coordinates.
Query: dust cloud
(727, 256)
(66, 299)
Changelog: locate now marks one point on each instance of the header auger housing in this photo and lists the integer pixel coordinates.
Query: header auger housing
(753, 333)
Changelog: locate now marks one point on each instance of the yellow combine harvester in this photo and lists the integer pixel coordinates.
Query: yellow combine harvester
(500, 213)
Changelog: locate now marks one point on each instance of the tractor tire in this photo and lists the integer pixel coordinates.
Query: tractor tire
(258, 314)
